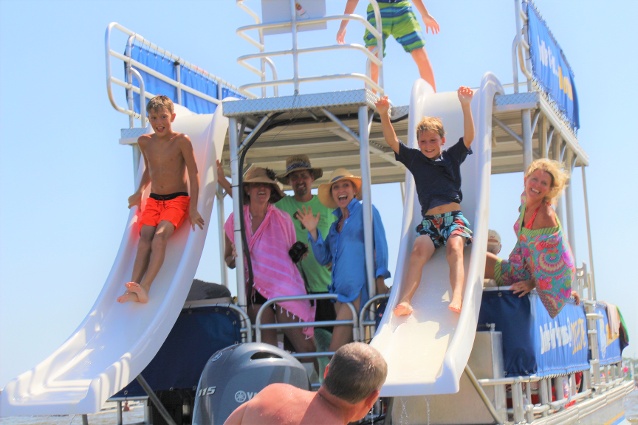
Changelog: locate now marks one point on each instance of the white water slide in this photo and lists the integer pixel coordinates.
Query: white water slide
(115, 342)
(428, 350)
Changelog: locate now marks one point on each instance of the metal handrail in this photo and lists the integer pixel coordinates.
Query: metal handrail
(259, 326)
(363, 323)
(375, 56)
(132, 64)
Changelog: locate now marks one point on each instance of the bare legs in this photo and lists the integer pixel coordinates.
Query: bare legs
(421, 253)
(422, 61)
(151, 251)
(425, 68)
(269, 336)
(341, 335)
(454, 255)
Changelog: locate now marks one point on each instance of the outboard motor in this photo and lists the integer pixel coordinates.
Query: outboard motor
(237, 373)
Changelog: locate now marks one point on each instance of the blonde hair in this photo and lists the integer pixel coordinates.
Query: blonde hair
(556, 170)
(159, 102)
(430, 124)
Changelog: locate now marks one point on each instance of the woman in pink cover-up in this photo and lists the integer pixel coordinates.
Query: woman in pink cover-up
(270, 233)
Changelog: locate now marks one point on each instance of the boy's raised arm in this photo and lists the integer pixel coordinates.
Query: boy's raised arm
(383, 107)
(193, 180)
(465, 97)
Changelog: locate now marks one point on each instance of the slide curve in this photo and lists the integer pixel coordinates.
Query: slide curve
(428, 350)
(115, 342)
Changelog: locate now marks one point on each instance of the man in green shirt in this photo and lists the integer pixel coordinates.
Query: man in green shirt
(300, 176)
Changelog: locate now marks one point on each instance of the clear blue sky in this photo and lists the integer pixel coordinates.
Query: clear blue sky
(65, 179)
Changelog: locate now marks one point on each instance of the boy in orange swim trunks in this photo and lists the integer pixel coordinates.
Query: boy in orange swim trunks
(168, 156)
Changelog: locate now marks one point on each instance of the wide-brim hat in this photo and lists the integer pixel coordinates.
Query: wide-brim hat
(297, 163)
(325, 189)
(264, 175)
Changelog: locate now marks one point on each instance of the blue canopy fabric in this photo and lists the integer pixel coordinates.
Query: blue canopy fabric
(187, 76)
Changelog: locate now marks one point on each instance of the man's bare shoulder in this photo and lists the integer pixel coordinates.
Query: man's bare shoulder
(281, 389)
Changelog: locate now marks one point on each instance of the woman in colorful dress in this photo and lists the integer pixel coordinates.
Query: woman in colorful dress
(542, 258)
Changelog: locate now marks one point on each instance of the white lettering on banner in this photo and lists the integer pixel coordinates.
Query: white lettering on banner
(554, 336)
(578, 336)
(547, 58)
(549, 61)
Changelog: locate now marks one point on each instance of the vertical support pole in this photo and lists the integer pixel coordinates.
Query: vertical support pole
(237, 192)
(364, 151)
(295, 54)
(592, 333)
(528, 154)
(569, 206)
(517, 401)
(221, 239)
(120, 419)
(544, 393)
(592, 286)
(178, 77)
(529, 412)
(586, 380)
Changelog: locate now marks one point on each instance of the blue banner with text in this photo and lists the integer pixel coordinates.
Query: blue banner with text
(533, 342)
(550, 68)
(608, 342)
(561, 344)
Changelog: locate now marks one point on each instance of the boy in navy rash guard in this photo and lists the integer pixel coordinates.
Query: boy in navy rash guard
(437, 175)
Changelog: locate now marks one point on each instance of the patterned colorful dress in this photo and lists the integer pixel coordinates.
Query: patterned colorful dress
(543, 255)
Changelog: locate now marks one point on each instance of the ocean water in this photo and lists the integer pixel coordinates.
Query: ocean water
(105, 417)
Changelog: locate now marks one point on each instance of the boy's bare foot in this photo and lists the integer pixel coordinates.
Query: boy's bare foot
(135, 293)
(403, 309)
(455, 305)
(126, 297)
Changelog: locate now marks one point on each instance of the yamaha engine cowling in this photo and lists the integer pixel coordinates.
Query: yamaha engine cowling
(237, 373)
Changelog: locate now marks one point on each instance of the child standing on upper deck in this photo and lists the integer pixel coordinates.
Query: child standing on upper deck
(399, 20)
(167, 156)
(437, 175)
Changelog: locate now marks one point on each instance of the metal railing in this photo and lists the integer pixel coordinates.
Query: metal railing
(132, 68)
(265, 58)
(359, 322)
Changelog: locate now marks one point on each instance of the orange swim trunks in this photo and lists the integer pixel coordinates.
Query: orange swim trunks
(172, 208)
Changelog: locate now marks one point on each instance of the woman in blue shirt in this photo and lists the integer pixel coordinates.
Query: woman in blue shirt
(344, 247)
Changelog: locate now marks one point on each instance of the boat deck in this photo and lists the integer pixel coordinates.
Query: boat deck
(303, 124)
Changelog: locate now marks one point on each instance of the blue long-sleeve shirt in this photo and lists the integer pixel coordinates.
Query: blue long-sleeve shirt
(347, 253)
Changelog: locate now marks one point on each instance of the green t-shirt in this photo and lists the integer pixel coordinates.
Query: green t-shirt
(318, 276)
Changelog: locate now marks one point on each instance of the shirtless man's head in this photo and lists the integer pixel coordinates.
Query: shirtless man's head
(351, 385)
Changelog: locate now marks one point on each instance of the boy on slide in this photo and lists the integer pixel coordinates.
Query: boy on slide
(437, 175)
(168, 156)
